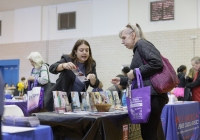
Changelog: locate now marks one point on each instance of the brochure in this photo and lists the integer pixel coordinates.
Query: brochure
(92, 101)
(104, 97)
(79, 74)
(61, 102)
(97, 98)
(110, 97)
(116, 98)
(75, 101)
(85, 103)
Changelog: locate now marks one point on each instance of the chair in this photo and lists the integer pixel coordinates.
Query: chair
(12, 110)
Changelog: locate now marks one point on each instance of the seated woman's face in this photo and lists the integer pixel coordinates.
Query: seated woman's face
(82, 53)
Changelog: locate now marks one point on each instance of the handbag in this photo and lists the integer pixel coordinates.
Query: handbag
(138, 102)
(165, 80)
(47, 93)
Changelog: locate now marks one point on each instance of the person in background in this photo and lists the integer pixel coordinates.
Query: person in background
(1, 101)
(81, 57)
(8, 89)
(22, 86)
(179, 90)
(118, 88)
(190, 76)
(125, 70)
(24, 81)
(13, 86)
(133, 38)
(39, 71)
(195, 85)
(40, 78)
(99, 88)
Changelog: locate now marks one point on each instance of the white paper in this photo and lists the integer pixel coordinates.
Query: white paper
(15, 129)
(80, 75)
(78, 113)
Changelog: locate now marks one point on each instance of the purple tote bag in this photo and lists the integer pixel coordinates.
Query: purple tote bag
(138, 102)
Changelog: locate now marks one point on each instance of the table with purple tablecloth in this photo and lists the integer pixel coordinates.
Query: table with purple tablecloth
(20, 103)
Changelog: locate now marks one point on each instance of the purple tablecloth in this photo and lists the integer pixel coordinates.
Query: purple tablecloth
(19, 103)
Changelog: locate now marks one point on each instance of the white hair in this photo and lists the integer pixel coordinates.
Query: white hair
(196, 59)
(37, 58)
(135, 28)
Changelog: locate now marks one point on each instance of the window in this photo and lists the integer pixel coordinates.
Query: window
(0, 27)
(162, 10)
(66, 21)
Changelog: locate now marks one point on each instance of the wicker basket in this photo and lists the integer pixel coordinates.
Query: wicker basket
(103, 107)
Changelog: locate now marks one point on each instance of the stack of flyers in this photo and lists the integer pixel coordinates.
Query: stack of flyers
(92, 101)
(104, 97)
(61, 103)
(116, 98)
(85, 103)
(88, 100)
(79, 74)
(97, 98)
(110, 97)
(75, 101)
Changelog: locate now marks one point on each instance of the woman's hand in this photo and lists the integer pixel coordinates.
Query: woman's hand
(115, 81)
(31, 78)
(92, 78)
(130, 75)
(69, 66)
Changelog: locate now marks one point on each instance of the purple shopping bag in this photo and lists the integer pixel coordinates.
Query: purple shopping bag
(138, 101)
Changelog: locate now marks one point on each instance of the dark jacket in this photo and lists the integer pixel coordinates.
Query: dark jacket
(195, 83)
(183, 81)
(148, 59)
(195, 87)
(67, 78)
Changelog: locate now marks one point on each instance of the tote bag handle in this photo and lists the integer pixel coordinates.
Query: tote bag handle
(138, 78)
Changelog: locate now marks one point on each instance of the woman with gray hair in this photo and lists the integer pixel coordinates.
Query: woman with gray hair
(148, 59)
(39, 77)
(195, 85)
(40, 69)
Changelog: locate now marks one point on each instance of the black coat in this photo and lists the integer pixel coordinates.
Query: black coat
(148, 59)
(195, 83)
(67, 78)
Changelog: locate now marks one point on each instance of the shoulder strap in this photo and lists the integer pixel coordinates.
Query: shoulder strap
(47, 72)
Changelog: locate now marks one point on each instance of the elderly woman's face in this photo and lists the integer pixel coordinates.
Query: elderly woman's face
(82, 53)
(32, 62)
(128, 38)
(196, 66)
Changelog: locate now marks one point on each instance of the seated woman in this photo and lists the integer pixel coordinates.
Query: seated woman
(81, 57)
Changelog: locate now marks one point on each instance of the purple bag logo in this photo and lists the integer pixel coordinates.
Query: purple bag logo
(138, 104)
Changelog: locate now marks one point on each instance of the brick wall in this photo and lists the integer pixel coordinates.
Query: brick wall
(108, 51)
